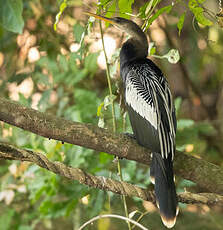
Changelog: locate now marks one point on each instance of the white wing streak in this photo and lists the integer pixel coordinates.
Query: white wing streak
(143, 86)
(137, 101)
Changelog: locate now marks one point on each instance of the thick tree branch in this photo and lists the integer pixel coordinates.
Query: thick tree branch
(208, 176)
(10, 152)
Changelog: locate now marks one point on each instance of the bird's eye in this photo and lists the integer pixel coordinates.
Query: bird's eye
(117, 19)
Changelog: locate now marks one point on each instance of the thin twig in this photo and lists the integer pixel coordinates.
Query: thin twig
(113, 116)
(108, 78)
(112, 216)
(149, 15)
(123, 197)
(140, 217)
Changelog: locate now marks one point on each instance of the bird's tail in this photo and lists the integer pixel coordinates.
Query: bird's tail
(161, 173)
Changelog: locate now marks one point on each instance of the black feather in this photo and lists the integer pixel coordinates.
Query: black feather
(152, 116)
(164, 186)
(161, 169)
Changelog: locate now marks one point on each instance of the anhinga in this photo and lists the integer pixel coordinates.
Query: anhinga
(151, 111)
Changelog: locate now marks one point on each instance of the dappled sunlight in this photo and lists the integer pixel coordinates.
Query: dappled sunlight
(53, 97)
(21, 38)
(26, 41)
(33, 54)
(110, 46)
(149, 206)
(64, 51)
(35, 100)
(7, 196)
(101, 60)
(158, 36)
(6, 132)
(74, 47)
(189, 148)
(192, 208)
(62, 73)
(31, 24)
(1, 59)
(202, 44)
(205, 209)
(25, 88)
(85, 199)
(62, 28)
(213, 34)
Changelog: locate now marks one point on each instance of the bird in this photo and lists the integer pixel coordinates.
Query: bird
(151, 110)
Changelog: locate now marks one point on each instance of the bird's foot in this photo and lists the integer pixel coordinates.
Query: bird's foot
(116, 158)
(131, 135)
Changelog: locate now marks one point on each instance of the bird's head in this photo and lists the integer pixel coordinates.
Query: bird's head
(137, 44)
(123, 24)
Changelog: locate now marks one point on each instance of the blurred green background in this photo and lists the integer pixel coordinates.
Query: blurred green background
(63, 72)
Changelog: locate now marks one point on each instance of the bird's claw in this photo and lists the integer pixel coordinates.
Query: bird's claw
(131, 135)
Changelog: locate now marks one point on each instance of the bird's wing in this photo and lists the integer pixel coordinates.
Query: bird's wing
(148, 93)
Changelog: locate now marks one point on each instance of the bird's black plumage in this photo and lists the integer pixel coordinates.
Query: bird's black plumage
(152, 116)
(151, 111)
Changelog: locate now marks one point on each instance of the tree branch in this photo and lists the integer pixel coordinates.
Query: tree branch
(11, 152)
(208, 176)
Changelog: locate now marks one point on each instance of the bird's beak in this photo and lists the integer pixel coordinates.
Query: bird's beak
(110, 20)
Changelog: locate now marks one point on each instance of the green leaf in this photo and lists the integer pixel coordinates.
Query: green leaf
(184, 123)
(6, 219)
(49, 145)
(63, 6)
(25, 227)
(152, 48)
(181, 22)
(207, 129)
(90, 62)
(142, 9)
(24, 101)
(101, 122)
(11, 15)
(109, 100)
(145, 10)
(172, 56)
(44, 101)
(99, 113)
(187, 183)
(18, 78)
(63, 64)
(149, 6)
(199, 12)
(78, 31)
(42, 79)
(70, 207)
(166, 9)
(177, 103)
(110, 10)
(125, 6)
(105, 158)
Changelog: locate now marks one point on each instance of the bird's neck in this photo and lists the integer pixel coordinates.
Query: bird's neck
(133, 49)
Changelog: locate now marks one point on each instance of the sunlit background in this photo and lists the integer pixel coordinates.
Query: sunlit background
(63, 72)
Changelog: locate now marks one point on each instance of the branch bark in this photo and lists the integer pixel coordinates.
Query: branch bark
(11, 152)
(207, 175)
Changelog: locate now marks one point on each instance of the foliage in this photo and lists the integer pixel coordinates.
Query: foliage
(70, 84)
(198, 12)
(181, 22)
(11, 15)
